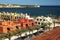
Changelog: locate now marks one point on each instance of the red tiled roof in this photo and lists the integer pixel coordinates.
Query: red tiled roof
(51, 35)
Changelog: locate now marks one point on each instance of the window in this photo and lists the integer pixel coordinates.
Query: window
(8, 29)
(39, 23)
(43, 19)
(26, 24)
(40, 19)
(32, 23)
(15, 17)
(37, 19)
(17, 27)
(36, 22)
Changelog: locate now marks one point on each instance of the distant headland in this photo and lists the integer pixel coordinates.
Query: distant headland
(18, 6)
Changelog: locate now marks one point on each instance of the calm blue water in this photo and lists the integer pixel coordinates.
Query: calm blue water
(43, 10)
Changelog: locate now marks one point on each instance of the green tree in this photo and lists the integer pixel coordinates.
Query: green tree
(37, 28)
(19, 32)
(54, 22)
(49, 25)
(51, 15)
(9, 34)
(31, 30)
(1, 36)
(43, 25)
(22, 30)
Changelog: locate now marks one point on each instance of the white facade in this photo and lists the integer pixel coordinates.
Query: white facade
(41, 19)
(48, 19)
(28, 17)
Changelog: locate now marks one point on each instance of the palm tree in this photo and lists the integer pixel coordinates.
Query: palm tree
(54, 22)
(1, 36)
(43, 25)
(24, 30)
(37, 28)
(31, 29)
(19, 32)
(49, 25)
(9, 34)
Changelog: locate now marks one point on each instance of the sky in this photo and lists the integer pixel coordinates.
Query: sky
(31, 2)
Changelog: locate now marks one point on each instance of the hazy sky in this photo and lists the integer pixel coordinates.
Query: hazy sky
(31, 2)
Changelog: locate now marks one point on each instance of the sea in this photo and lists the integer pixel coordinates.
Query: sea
(42, 10)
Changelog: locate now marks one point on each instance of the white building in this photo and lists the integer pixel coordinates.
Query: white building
(28, 17)
(41, 19)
